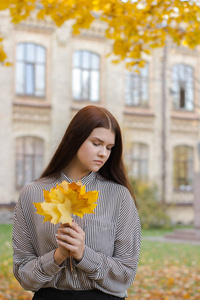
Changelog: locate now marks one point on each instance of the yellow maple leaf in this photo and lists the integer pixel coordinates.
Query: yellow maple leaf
(3, 55)
(65, 200)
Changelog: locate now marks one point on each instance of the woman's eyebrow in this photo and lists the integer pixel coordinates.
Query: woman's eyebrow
(96, 138)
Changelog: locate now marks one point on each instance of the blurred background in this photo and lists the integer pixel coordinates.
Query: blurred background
(48, 73)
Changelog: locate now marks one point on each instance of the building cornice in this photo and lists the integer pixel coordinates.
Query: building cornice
(139, 113)
(31, 113)
(38, 104)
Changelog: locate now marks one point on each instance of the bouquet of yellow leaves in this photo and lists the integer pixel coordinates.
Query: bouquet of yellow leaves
(64, 200)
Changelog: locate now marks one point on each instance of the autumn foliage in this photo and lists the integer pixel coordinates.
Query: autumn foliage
(65, 200)
(169, 283)
(135, 27)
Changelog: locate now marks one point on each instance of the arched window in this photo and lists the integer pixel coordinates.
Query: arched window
(183, 87)
(86, 76)
(30, 70)
(137, 87)
(183, 168)
(29, 159)
(139, 164)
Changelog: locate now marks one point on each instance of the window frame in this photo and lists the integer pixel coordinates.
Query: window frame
(181, 89)
(25, 62)
(179, 165)
(89, 70)
(143, 79)
(22, 156)
(143, 176)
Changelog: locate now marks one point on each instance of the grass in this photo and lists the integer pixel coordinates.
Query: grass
(161, 253)
(158, 254)
(161, 231)
(166, 270)
(5, 247)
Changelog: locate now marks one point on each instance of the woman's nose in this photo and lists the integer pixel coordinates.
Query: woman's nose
(103, 151)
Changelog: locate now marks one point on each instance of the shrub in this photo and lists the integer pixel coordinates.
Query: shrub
(152, 211)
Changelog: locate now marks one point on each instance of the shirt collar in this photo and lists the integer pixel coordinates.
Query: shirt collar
(85, 180)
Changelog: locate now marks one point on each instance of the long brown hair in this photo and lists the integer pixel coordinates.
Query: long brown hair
(80, 127)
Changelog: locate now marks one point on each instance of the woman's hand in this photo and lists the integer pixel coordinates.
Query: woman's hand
(71, 241)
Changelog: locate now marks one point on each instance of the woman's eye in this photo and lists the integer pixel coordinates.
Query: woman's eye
(96, 144)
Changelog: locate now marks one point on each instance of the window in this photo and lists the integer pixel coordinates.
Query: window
(137, 87)
(30, 70)
(183, 168)
(183, 87)
(139, 165)
(29, 160)
(86, 77)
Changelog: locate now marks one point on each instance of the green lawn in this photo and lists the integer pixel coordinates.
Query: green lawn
(5, 247)
(5, 238)
(158, 253)
(167, 271)
(161, 231)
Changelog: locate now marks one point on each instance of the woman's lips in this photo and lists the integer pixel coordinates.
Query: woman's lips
(99, 162)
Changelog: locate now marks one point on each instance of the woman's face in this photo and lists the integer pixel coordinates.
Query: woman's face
(95, 151)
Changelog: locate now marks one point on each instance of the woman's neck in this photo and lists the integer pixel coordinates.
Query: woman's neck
(74, 173)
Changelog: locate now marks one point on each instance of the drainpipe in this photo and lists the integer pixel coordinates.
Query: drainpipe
(163, 133)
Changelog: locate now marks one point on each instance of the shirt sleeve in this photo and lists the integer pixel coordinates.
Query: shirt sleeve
(31, 271)
(116, 273)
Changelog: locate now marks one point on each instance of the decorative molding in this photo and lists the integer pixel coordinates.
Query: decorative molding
(183, 50)
(63, 36)
(139, 120)
(31, 114)
(139, 124)
(38, 27)
(140, 113)
(33, 24)
(190, 126)
(185, 116)
(181, 198)
(32, 103)
(92, 33)
(97, 30)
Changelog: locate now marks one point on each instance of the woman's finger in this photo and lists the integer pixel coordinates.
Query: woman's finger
(75, 231)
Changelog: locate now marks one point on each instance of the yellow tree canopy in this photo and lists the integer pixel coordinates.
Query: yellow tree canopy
(135, 27)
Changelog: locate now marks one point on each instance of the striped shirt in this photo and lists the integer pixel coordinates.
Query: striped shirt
(112, 241)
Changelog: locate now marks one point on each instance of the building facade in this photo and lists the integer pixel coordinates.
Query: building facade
(54, 74)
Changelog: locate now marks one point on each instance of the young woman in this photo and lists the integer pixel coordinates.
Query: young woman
(104, 246)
